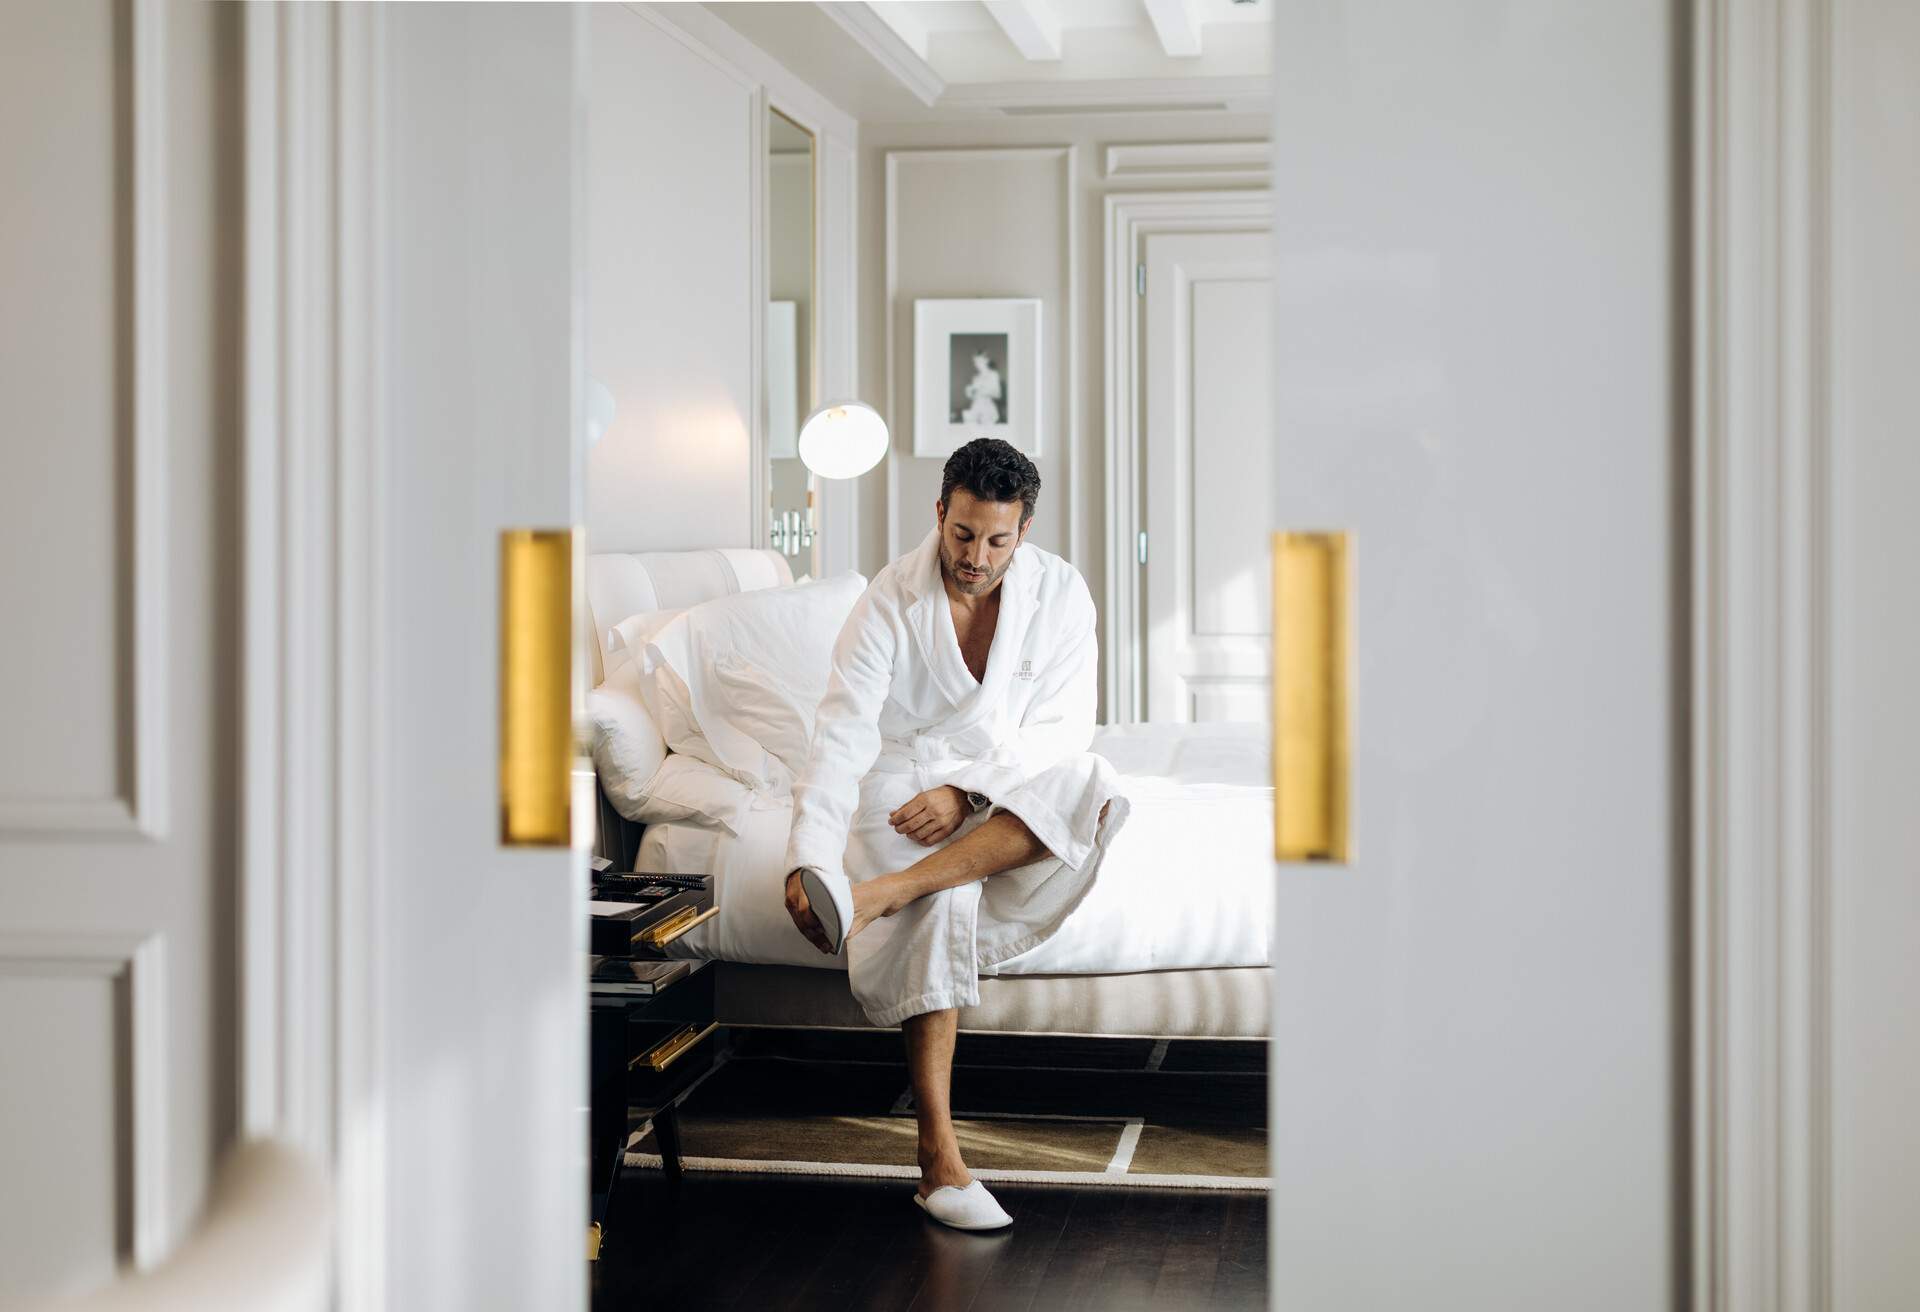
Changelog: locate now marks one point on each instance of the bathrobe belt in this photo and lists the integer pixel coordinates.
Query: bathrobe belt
(904, 755)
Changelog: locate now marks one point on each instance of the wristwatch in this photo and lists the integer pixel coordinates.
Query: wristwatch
(978, 801)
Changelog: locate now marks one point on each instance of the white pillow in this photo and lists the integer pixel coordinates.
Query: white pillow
(746, 673)
(641, 779)
(684, 791)
(630, 636)
(669, 701)
(627, 743)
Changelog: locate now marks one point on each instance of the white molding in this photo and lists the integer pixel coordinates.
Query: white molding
(1077, 541)
(150, 500)
(311, 936)
(289, 676)
(710, 37)
(1112, 95)
(140, 809)
(1131, 217)
(694, 28)
(1191, 161)
(873, 34)
(140, 961)
(759, 193)
(1763, 548)
(1072, 443)
(362, 782)
(890, 392)
(837, 355)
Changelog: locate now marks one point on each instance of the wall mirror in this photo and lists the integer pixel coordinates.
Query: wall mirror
(791, 298)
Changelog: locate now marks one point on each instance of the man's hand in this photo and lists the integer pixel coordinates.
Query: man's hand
(933, 816)
(803, 917)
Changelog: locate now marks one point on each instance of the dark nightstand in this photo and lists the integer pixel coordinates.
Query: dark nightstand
(653, 1034)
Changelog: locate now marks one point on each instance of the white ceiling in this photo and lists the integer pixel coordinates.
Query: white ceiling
(906, 60)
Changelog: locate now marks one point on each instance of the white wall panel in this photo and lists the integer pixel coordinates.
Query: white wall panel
(669, 315)
(119, 361)
(1231, 458)
(67, 369)
(963, 224)
(62, 1129)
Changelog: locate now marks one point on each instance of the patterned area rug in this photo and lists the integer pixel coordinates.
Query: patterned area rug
(1196, 1129)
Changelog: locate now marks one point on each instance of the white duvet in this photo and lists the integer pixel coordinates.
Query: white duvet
(1187, 884)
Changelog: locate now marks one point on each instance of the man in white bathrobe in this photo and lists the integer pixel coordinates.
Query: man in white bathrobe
(957, 718)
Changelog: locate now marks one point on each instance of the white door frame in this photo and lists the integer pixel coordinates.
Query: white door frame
(312, 615)
(1132, 217)
(1762, 623)
(315, 955)
(1764, 637)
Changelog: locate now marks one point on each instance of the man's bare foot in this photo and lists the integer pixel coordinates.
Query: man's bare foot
(942, 1167)
(872, 899)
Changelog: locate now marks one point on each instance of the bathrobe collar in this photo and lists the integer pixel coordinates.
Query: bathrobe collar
(930, 618)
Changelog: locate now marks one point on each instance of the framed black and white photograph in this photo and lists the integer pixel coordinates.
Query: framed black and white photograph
(976, 371)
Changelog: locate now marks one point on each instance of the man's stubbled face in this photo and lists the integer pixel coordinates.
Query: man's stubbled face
(977, 540)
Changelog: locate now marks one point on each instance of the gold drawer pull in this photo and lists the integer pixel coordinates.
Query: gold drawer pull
(672, 1048)
(677, 924)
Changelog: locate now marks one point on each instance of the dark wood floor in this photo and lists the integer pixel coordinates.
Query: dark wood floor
(767, 1242)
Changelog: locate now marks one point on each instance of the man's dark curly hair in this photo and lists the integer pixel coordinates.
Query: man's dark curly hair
(992, 470)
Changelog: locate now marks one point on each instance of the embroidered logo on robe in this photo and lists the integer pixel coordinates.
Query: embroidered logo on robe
(1025, 671)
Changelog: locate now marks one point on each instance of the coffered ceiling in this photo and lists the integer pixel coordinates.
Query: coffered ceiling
(921, 59)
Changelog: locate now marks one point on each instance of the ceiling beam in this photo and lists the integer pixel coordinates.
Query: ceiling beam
(1177, 23)
(1031, 25)
(881, 39)
(909, 26)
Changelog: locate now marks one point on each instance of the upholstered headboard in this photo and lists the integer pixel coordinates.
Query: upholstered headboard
(620, 584)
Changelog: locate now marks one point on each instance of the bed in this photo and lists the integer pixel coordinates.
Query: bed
(1165, 946)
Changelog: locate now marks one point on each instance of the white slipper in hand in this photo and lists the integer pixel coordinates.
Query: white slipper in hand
(972, 1208)
(830, 897)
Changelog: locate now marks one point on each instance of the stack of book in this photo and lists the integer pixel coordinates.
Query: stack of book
(627, 977)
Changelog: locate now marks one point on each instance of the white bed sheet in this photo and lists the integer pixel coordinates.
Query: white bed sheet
(1188, 884)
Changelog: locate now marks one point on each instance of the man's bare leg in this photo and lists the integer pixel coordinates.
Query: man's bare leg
(930, 1039)
(1001, 843)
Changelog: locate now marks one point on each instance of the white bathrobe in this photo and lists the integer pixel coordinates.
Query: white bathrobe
(902, 713)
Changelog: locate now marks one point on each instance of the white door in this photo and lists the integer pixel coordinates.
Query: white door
(484, 1011)
(1480, 371)
(119, 305)
(1208, 461)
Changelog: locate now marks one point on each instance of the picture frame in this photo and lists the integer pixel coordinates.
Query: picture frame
(976, 373)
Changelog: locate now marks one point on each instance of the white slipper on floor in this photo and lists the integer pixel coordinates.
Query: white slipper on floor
(972, 1208)
(831, 899)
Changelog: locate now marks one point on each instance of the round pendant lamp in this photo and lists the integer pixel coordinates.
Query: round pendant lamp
(843, 440)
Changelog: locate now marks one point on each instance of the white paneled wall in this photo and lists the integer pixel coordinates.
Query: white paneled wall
(670, 232)
(119, 366)
(1015, 208)
(676, 191)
